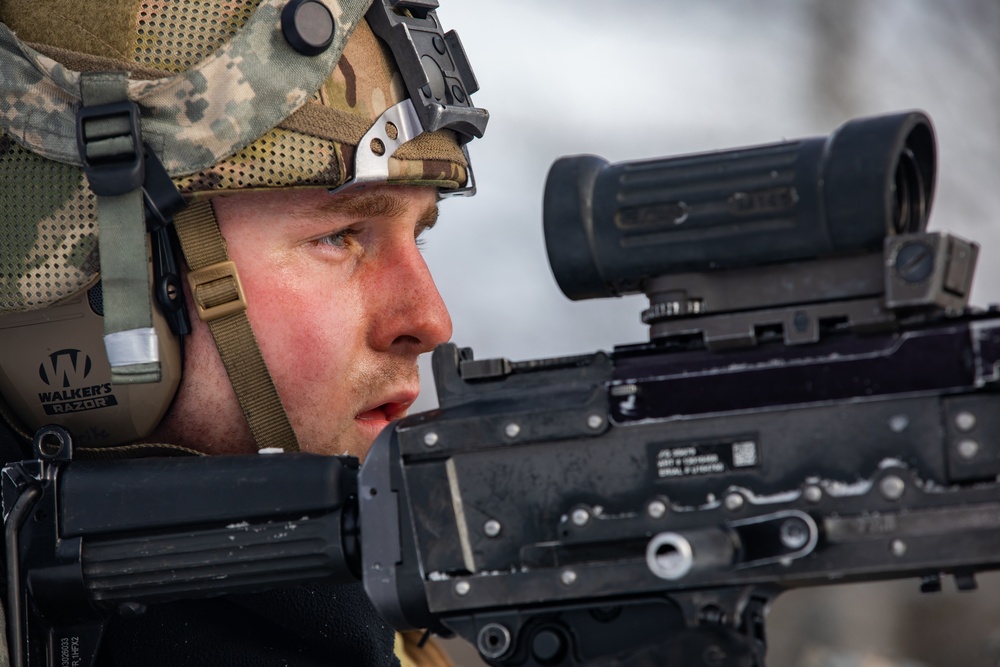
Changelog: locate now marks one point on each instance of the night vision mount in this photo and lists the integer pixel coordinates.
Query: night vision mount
(434, 66)
(440, 83)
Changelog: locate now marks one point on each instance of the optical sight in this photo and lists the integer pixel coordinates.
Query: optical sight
(611, 228)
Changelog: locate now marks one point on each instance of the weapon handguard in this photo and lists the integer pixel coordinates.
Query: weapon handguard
(85, 539)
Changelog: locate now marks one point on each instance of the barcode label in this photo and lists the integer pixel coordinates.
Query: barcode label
(744, 454)
(677, 460)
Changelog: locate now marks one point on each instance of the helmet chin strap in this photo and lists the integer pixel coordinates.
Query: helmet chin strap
(220, 302)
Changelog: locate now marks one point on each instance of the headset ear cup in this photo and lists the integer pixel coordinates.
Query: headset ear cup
(54, 370)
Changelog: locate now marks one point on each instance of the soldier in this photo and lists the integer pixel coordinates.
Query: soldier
(210, 219)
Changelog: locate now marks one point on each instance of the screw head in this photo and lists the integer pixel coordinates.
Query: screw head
(656, 509)
(965, 421)
(431, 439)
(568, 577)
(898, 548)
(914, 262)
(898, 423)
(463, 587)
(892, 487)
(734, 502)
(491, 528)
(595, 422)
(580, 517)
(813, 494)
(794, 533)
(512, 430)
(968, 449)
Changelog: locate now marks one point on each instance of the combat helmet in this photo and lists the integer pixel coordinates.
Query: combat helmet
(120, 117)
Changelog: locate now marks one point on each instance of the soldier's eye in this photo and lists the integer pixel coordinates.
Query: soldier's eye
(339, 239)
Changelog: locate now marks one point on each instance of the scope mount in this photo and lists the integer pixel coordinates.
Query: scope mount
(922, 273)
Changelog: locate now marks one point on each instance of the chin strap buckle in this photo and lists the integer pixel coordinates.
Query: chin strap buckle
(217, 291)
(221, 304)
(107, 136)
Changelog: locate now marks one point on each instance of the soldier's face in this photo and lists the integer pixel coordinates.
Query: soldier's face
(341, 302)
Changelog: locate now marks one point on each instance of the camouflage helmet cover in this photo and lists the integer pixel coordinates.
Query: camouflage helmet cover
(182, 58)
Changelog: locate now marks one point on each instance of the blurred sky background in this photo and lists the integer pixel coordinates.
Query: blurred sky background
(646, 78)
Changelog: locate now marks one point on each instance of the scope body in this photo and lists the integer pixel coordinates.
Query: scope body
(610, 228)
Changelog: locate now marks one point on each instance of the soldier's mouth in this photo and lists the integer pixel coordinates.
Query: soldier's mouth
(376, 418)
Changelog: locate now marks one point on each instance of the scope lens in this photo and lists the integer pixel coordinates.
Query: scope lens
(910, 201)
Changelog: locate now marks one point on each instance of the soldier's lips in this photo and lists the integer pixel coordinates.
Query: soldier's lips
(373, 420)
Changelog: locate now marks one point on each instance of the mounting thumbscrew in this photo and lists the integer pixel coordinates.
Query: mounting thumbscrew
(914, 262)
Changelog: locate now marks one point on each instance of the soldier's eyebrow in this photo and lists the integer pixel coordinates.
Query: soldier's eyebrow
(377, 204)
(367, 205)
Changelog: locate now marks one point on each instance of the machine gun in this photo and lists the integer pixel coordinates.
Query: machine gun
(816, 405)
